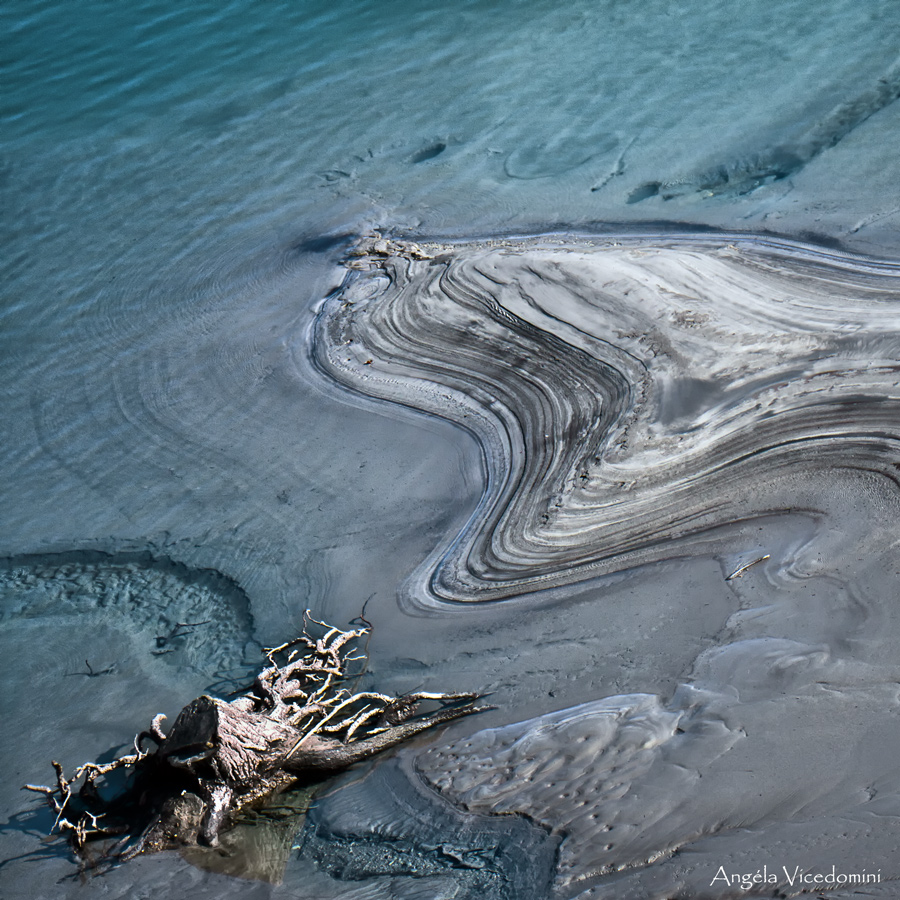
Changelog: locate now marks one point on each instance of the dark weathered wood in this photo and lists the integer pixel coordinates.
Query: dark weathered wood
(297, 721)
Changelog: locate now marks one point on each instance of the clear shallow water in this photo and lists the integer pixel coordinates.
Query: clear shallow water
(167, 178)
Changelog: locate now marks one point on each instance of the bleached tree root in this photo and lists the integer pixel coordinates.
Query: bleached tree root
(297, 721)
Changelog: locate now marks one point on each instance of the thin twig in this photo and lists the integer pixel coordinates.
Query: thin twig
(737, 573)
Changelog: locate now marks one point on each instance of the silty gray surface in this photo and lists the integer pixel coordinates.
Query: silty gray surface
(167, 182)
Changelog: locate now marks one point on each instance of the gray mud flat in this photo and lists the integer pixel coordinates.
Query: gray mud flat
(643, 489)
(644, 406)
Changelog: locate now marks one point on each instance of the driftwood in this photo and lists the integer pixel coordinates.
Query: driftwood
(220, 757)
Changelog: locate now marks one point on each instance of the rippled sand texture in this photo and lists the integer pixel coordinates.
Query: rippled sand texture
(639, 401)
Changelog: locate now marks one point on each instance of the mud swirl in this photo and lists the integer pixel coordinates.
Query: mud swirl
(630, 396)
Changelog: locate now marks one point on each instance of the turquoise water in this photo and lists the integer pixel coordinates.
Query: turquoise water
(138, 137)
(177, 182)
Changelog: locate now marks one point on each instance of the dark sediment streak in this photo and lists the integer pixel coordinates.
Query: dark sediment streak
(748, 171)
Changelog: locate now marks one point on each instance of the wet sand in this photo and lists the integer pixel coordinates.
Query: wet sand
(642, 488)
(716, 412)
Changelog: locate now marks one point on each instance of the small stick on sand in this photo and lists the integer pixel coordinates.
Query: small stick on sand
(737, 573)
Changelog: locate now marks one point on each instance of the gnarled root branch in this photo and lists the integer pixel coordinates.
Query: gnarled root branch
(219, 757)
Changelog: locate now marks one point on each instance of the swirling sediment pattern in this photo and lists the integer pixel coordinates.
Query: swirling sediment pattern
(630, 396)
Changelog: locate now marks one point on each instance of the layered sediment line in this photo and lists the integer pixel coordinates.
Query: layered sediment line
(628, 395)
